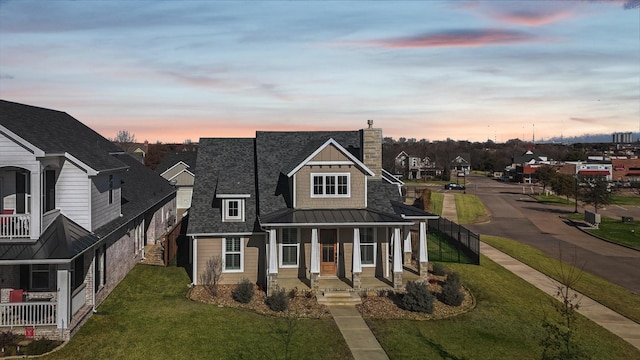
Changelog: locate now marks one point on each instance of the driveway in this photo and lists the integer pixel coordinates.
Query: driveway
(517, 216)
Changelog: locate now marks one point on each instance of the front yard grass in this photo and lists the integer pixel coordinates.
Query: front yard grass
(436, 202)
(554, 200)
(614, 230)
(506, 324)
(610, 295)
(149, 317)
(470, 209)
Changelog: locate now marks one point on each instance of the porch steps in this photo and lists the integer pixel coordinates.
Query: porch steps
(153, 255)
(338, 297)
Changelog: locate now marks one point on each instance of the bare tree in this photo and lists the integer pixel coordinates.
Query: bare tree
(124, 136)
(210, 277)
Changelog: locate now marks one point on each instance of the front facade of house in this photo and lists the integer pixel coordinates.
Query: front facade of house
(69, 232)
(302, 205)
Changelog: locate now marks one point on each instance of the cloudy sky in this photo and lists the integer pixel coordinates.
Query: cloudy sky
(474, 70)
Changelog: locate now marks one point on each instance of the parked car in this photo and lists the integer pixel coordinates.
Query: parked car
(454, 186)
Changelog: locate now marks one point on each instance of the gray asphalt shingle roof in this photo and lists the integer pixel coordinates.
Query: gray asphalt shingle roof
(56, 132)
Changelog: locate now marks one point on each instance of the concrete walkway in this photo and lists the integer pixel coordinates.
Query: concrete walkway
(619, 325)
(359, 338)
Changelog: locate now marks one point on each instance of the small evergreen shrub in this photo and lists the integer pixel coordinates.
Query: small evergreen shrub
(243, 293)
(418, 298)
(439, 269)
(278, 301)
(453, 278)
(451, 291)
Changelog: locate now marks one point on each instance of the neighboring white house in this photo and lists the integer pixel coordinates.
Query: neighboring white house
(75, 215)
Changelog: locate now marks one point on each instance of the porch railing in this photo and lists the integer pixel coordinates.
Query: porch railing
(28, 314)
(15, 225)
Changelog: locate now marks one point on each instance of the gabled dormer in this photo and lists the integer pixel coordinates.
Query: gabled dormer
(233, 207)
(329, 176)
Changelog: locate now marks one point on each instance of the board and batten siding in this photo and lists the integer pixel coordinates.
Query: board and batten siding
(210, 247)
(101, 211)
(72, 194)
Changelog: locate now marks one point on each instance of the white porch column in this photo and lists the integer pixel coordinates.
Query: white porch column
(272, 277)
(422, 247)
(63, 315)
(315, 259)
(407, 247)
(35, 204)
(357, 261)
(194, 257)
(397, 259)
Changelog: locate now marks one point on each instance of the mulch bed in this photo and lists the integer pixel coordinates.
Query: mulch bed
(379, 304)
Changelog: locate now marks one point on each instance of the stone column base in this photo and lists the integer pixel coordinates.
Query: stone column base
(424, 269)
(397, 281)
(407, 258)
(272, 283)
(357, 281)
(314, 281)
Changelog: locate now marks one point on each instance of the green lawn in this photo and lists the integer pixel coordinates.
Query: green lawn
(441, 250)
(436, 202)
(618, 199)
(149, 317)
(610, 295)
(614, 230)
(554, 200)
(470, 209)
(506, 324)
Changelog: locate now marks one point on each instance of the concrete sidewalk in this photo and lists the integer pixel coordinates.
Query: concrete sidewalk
(356, 333)
(619, 325)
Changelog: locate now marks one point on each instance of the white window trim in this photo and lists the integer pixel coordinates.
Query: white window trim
(224, 255)
(225, 210)
(375, 249)
(282, 245)
(324, 185)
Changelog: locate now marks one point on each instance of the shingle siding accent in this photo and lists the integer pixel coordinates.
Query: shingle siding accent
(303, 189)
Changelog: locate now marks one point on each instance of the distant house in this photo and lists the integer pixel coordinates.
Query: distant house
(413, 167)
(626, 170)
(524, 165)
(461, 165)
(302, 209)
(179, 168)
(76, 214)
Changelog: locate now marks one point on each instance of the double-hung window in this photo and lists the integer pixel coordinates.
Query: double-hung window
(232, 249)
(330, 185)
(289, 248)
(367, 247)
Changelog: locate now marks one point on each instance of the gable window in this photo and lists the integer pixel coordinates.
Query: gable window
(330, 185)
(289, 248)
(367, 247)
(110, 189)
(233, 210)
(233, 251)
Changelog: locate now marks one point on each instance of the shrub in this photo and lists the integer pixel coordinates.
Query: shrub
(451, 291)
(41, 346)
(7, 338)
(418, 298)
(278, 301)
(439, 269)
(210, 277)
(243, 293)
(293, 293)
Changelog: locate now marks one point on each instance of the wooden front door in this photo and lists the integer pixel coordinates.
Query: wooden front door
(328, 252)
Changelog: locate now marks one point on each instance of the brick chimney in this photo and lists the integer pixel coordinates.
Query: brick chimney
(372, 149)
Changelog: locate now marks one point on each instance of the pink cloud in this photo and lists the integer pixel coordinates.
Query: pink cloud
(455, 38)
(531, 18)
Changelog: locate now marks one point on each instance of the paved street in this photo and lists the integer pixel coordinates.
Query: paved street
(517, 216)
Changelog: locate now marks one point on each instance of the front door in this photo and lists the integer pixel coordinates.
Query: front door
(328, 252)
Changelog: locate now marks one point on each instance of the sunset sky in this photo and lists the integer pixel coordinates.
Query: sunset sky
(466, 70)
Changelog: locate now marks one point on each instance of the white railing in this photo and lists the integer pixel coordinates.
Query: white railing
(28, 314)
(15, 225)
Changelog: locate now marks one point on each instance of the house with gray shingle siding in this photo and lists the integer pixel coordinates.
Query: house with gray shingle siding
(288, 208)
(76, 215)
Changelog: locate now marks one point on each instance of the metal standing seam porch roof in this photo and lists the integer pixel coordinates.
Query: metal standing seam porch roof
(331, 217)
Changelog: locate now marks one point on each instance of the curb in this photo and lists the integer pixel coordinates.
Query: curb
(581, 228)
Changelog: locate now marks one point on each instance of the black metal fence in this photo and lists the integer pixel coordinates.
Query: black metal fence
(464, 245)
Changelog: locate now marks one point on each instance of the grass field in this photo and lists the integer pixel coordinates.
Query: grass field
(554, 200)
(610, 295)
(470, 209)
(436, 202)
(149, 317)
(614, 230)
(618, 199)
(506, 324)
